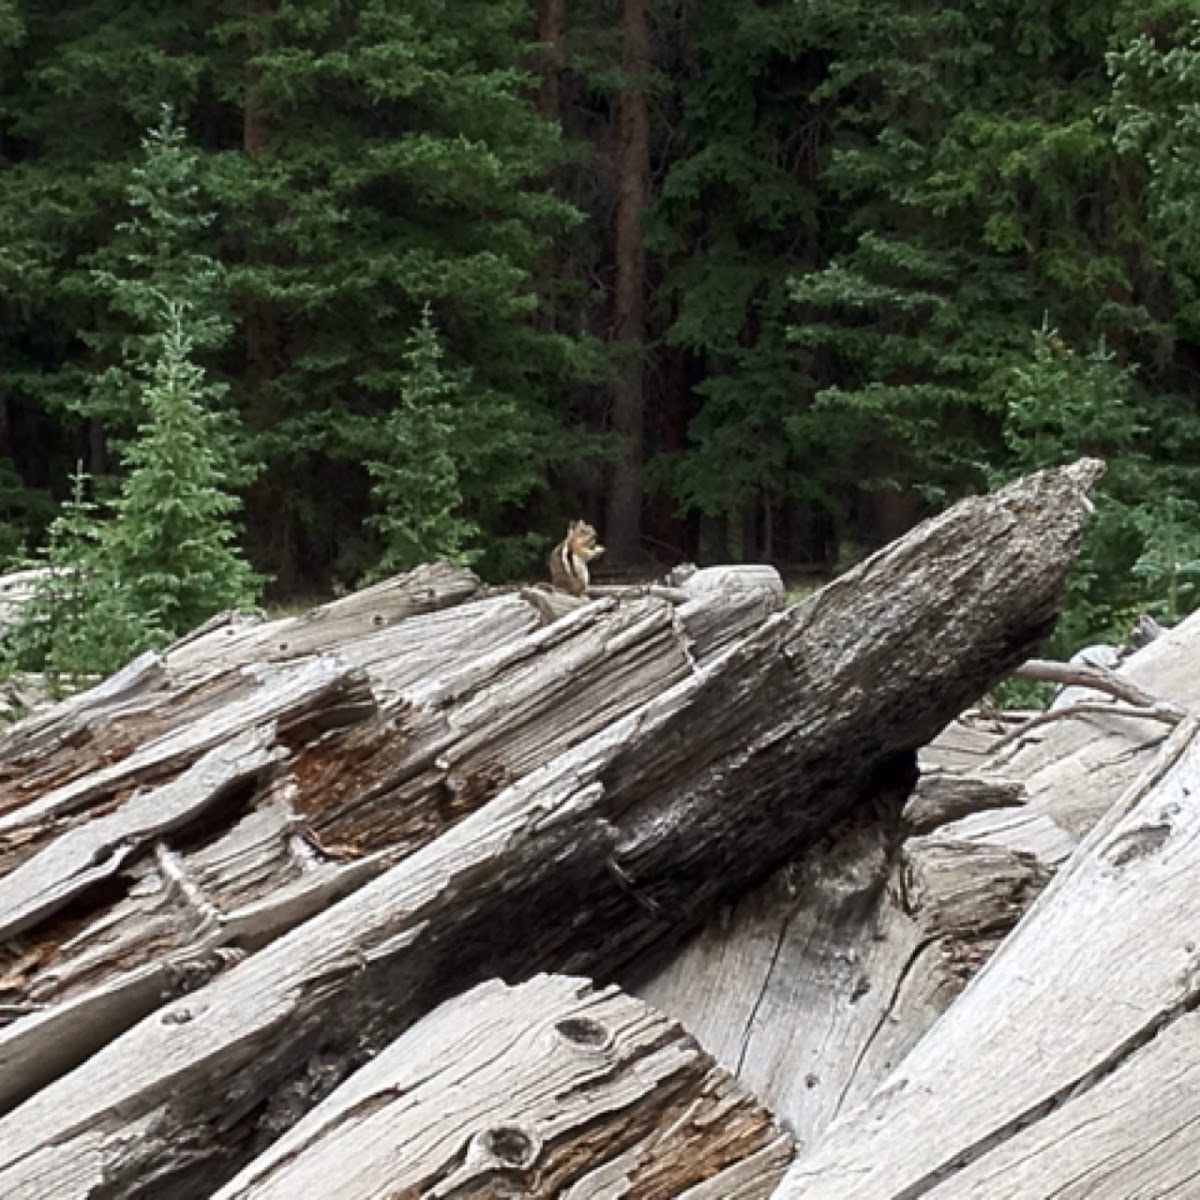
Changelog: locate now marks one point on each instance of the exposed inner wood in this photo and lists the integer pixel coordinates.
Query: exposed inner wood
(550, 1089)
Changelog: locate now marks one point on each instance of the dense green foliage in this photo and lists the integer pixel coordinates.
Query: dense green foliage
(417, 470)
(165, 558)
(362, 282)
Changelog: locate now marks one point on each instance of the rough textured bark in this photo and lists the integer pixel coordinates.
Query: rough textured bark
(813, 987)
(550, 1089)
(622, 532)
(202, 672)
(550, 31)
(636, 833)
(1091, 999)
(233, 639)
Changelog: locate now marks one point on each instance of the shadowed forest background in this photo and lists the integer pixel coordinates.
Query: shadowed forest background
(733, 279)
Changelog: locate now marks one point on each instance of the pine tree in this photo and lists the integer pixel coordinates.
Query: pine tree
(155, 261)
(80, 621)
(172, 544)
(417, 486)
(734, 220)
(398, 161)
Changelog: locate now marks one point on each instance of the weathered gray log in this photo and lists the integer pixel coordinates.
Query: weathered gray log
(722, 604)
(239, 639)
(1089, 1001)
(322, 689)
(717, 605)
(814, 986)
(634, 834)
(549, 1089)
(343, 807)
(156, 693)
(88, 854)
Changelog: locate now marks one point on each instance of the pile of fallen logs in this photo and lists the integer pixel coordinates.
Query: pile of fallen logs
(667, 892)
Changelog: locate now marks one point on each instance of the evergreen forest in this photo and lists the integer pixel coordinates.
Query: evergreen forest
(297, 293)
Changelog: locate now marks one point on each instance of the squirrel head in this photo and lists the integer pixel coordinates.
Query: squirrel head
(581, 538)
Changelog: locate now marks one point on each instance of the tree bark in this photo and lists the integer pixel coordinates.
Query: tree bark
(465, 701)
(624, 507)
(551, 32)
(614, 1101)
(636, 833)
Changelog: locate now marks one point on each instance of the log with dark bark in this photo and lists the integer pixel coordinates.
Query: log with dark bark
(815, 987)
(550, 1089)
(632, 835)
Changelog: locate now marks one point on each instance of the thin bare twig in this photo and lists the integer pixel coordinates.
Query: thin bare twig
(1084, 708)
(1099, 679)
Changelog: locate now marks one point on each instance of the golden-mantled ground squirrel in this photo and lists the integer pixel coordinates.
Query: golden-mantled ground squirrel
(569, 559)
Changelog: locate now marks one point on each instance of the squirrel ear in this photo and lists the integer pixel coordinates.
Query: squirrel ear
(572, 527)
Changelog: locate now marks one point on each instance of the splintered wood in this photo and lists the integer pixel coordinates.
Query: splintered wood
(550, 1089)
(194, 807)
(1070, 1058)
(609, 823)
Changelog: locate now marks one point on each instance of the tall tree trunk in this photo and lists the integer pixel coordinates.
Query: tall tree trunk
(551, 31)
(670, 534)
(269, 514)
(623, 527)
(260, 319)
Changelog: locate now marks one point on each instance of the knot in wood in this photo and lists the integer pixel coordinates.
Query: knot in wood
(508, 1146)
(584, 1032)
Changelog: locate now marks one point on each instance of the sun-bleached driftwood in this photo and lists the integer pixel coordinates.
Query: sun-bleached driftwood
(550, 1089)
(322, 689)
(90, 853)
(156, 692)
(631, 835)
(1089, 1001)
(722, 604)
(717, 605)
(813, 987)
(446, 739)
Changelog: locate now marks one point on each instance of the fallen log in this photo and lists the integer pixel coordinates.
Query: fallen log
(345, 803)
(1076, 768)
(234, 639)
(549, 1089)
(634, 834)
(1090, 996)
(812, 988)
(152, 700)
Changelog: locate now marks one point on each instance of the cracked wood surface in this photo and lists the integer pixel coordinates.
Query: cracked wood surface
(548, 1089)
(342, 807)
(584, 862)
(814, 987)
(87, 854)
(233, 640)
(1088, 999)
